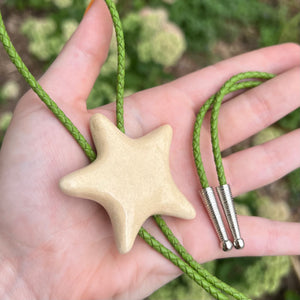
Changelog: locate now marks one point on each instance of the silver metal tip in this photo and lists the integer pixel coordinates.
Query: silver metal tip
(239, 243)
(226, 245)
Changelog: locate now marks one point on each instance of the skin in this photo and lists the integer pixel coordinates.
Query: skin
(57, 247)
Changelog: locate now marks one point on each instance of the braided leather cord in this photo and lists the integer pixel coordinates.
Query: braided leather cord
(121, 64)
(215, 114)
(198, 123)
(194, 264)
(183, 266)
(196, 142)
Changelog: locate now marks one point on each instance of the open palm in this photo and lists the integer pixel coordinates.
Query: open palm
(56, 247)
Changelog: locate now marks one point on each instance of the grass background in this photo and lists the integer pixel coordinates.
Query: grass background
(196, 33)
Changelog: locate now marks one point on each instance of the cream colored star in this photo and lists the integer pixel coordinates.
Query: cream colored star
(130, 178)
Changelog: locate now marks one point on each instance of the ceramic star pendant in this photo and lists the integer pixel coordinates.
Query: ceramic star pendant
(130, 178)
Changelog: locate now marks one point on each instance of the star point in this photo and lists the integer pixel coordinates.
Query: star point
(130, 178)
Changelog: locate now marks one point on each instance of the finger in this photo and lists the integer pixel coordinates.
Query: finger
(265, 237)
(260, 165)
(71, 77)
(197, 87)
(194, 89)
(258, 108)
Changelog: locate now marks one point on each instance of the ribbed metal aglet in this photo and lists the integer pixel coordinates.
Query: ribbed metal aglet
(225, 196)
(211, 205)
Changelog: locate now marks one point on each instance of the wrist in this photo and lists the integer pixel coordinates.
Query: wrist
(12, 285)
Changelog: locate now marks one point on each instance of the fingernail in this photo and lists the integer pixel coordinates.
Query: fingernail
(89, 6)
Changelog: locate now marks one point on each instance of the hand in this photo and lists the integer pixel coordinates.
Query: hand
(56, 247)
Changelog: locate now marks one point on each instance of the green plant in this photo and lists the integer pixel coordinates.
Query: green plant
(205, 22)
(291, 30)
(291, 295)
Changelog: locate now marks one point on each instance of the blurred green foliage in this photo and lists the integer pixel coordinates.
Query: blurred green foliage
(208, 21)
(45, 42)
(157, 34)
(291, 295)
(291, 30)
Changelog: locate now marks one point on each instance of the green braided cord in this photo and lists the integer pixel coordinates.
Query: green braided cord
(215, 114)
(121, 64)
(194, 264)
(198, 124)
(183, 266)
(59, 114)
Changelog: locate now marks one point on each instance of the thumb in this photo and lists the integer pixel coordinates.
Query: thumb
(71, 77)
